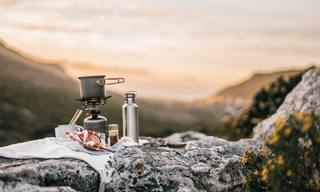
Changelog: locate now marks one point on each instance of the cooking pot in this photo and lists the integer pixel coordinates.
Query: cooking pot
(93, 86)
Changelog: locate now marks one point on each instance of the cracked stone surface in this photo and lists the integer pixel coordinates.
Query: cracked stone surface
(23, 187)
(40, 174)
(208, 164)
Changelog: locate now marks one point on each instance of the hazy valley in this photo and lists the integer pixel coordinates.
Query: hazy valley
(36, 97)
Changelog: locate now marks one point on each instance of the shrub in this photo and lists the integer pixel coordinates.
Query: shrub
(292, 164)
(265, 103)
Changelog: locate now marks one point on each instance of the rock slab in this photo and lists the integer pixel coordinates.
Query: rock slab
(47, 175)
(208, 164)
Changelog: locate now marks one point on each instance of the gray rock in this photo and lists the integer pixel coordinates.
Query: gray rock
(208, 164)
(19, 174)
(186, 136)
(305, 96)
(176, 140)
(156, 142)
(15, 186)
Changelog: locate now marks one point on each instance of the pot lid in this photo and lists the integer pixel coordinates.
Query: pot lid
(113, 127)
(92, 77)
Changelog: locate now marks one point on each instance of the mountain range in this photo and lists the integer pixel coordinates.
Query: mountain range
(242, 93)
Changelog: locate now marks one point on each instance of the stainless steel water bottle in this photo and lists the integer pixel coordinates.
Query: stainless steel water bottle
(130, 121)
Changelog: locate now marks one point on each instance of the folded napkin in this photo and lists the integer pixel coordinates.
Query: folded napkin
(52, 147)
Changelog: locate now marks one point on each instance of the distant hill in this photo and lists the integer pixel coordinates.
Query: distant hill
(246, 89)
(36, 97)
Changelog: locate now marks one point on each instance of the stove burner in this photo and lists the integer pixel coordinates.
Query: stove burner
(93, 103)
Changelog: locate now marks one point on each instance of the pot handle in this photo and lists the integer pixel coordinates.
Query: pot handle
(104, 81)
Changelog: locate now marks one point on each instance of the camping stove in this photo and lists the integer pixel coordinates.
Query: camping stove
(95, 122)
(93, 95)
(93, 103)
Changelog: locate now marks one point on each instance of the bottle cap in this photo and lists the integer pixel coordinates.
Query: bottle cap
(130, 94)
(113, 127)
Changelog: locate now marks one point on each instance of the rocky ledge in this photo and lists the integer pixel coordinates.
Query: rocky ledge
(207, 164)
(47, 175)
(182, 162)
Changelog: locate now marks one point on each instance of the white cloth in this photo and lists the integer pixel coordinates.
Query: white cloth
(46, 148)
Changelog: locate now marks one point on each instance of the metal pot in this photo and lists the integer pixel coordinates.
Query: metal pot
(93, 86)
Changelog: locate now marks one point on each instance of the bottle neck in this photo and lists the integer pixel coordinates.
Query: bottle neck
(130, 100)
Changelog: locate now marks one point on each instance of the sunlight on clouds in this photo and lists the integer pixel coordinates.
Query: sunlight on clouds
(211, 42)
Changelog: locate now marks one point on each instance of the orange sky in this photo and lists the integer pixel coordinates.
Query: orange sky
(166, 49)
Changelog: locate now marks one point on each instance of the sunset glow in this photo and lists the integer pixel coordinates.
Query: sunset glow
(180, 50)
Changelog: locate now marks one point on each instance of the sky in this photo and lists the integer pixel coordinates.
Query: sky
(181, 50)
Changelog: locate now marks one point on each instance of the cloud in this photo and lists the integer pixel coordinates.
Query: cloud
(88, 66)
(196, 41)
(190, 79)
(152, 25)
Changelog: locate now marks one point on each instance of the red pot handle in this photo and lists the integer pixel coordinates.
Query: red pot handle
(104, 81)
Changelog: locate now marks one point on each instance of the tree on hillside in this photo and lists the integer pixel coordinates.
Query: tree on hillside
(265, 103)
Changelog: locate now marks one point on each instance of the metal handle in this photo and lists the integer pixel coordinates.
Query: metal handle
(79, 128)
(104, 81)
